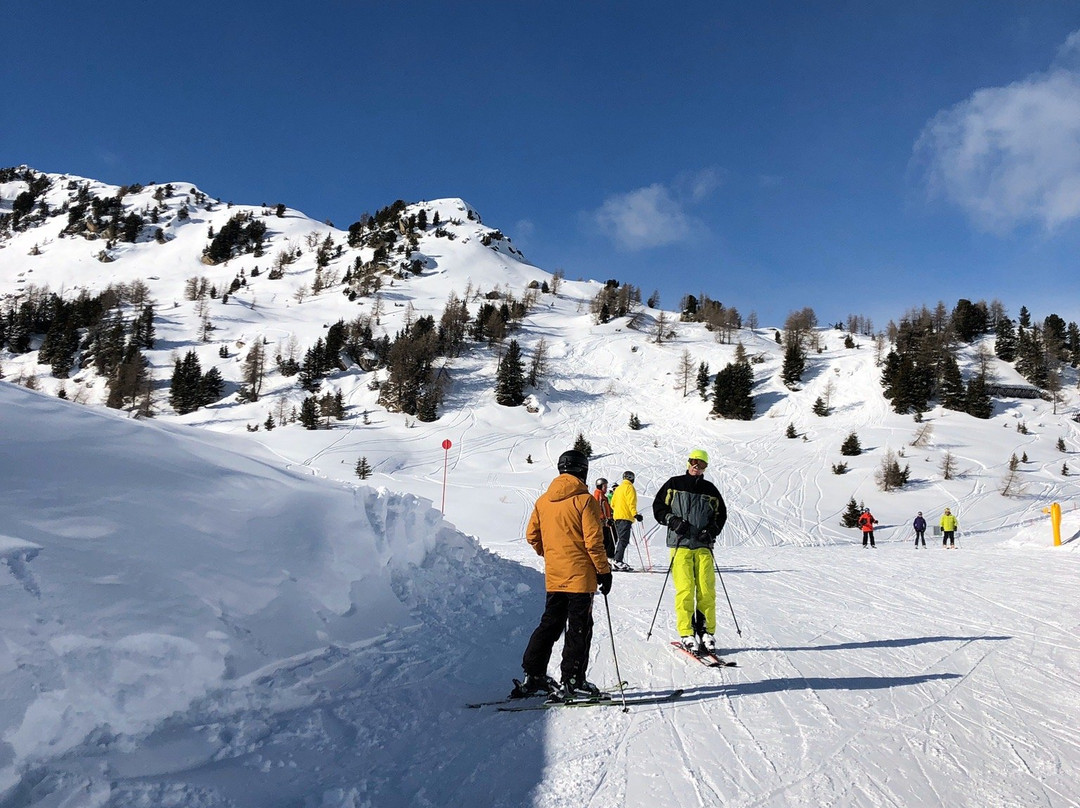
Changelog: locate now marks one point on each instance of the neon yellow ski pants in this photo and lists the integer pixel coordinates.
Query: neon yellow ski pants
(694, 576)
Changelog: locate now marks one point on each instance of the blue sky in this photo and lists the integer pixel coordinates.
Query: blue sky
(858, 158)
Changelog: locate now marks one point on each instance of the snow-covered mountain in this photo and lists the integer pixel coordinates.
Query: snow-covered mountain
(230, 617)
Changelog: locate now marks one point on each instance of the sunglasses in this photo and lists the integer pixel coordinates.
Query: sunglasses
(698, 464)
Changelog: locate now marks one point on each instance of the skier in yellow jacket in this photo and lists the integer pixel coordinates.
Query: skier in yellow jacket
(624, 509)
(948, 529)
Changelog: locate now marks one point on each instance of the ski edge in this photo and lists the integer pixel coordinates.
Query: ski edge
(638, 701)
(708, 660)
(476, 705)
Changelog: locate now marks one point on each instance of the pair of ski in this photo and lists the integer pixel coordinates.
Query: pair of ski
(515, 705)
(706, 658)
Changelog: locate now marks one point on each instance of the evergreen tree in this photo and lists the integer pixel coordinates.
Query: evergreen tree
(309, 413)
(951, 391)
(969, 319)
(1072, 343)
(363, 468)
(906, 382)
(1005, 342)
(510, 377)
(703, 381)
(130, 381)
(851, 446)
(427, 406)
(211, 387)
(313, 368)
(820, 407)
(791, 433)
(582, 445)
(65, 344)
(850, 517)
(794, 363)
(1032, 359)
(978, 401)
(269, 423)
(732, 392)
(185, 386)
(635, 422)
(335, 344)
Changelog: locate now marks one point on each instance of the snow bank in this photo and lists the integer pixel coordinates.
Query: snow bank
(152, 565)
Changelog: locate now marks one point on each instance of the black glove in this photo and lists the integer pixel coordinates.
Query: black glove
(680, 526)
(704, 537)
(639, 518)
(603, 580)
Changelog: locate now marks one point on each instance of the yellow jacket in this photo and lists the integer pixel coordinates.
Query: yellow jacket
(948, 522)
(624, 501)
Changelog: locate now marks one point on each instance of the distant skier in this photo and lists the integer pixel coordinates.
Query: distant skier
(920, 530)
(624, 506)
(948, 529)
(866, 524)
(694, 512)
(566, 528)
(601, 496)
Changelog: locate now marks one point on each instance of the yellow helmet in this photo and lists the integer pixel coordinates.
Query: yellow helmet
(699, 454)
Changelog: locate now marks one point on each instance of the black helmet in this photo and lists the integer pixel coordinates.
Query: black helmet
(628, 476)
(601, 482)
(574, 462)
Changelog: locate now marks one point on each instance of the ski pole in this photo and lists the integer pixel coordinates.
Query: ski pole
(618, 675)
(638, 547)
(645, 541)
(663, 586)
(724, 586)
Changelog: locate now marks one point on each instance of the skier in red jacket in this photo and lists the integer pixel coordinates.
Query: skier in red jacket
(866, 523)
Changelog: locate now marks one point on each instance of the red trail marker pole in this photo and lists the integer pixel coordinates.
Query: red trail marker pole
(446, 444)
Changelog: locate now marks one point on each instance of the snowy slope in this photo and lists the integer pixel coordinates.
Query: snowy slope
(185, 624)
(226, 617)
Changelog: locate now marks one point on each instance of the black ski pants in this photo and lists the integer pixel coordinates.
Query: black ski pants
(947, 538)
(920, 534)
(622, 531)
(609, 537)
(569, 611)
(868, 534)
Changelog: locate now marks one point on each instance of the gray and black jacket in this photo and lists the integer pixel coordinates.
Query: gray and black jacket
(695, 500)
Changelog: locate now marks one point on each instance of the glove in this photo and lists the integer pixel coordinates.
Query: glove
(681, 527)
(639, 518)
(704, 537)
(603, 580)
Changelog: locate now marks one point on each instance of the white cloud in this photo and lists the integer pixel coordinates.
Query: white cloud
(644, 218)
(699, 185)
(656, 215)
(1010, 155)
(524, 230)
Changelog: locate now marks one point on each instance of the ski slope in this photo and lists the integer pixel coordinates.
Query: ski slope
(145, 664)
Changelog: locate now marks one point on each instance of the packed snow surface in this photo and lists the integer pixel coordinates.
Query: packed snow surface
(186, 623)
